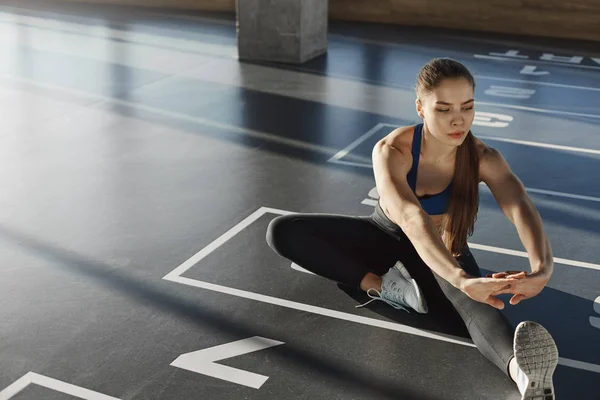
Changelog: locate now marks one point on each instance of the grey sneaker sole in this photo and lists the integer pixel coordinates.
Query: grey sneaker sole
(537, 356)
(422, 307)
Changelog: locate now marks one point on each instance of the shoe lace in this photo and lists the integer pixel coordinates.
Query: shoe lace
(390, 302)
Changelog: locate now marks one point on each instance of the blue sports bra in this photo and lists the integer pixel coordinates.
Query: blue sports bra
(432, 204)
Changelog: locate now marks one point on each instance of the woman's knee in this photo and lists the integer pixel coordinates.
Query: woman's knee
(278, 232)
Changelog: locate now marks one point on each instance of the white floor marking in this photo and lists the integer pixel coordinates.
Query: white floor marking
(561, 194)
(16, 387)
(350, 163)
(344, 152)
(539, 110)
(291, 142)
(316, 310)
(61, 27)
(175, 276)
(373, 203)
(54, 384)
(336, 159)
(509, 92)
(540, 144)
(307, 87)
(204, 361)
(369, 202)
(523, 254)
(534, 61)
(367, 164)
(487, 119)
(331, 35)
(595, 321)
(182, 117)
(560, 85)
(531, 70)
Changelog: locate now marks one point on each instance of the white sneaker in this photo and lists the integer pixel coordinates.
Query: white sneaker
(399, 290)
(536, 355)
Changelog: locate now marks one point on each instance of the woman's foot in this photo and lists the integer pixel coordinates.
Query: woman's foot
(397, 288)
(536, 356)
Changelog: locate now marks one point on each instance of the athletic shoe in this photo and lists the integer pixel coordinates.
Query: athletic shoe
(536, 355)
(399, 290)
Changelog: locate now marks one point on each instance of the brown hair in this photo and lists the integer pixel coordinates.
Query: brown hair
(463, 204)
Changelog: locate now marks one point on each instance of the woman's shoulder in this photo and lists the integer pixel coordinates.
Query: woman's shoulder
(484, 151)
(401, 138)
(490, 160)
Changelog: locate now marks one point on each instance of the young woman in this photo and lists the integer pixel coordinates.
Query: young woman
(412, 251)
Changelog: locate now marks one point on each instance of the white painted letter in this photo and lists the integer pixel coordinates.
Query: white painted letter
(552, 57)
(531, 70)
(375, 195)
(487, 119)
(510, 53)
(372, 201)
(514, 93)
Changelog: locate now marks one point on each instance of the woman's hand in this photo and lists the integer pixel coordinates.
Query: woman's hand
(527, 285)
(484, 290)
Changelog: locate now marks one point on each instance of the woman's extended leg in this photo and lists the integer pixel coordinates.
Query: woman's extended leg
(489, 328)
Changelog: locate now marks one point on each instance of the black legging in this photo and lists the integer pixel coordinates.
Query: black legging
(345, 248)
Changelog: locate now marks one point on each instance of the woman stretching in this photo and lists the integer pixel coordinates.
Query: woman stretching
(412, 251)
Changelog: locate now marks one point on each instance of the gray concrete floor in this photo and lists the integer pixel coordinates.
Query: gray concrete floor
(141, 164)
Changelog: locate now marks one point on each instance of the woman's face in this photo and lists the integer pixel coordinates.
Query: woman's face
(448, 111)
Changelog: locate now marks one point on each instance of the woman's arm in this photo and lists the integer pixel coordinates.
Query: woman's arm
(406, 211)
(519, 209)
(517, 206)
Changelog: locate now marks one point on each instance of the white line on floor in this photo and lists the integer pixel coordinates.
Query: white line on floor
(540, 144)
(289, 142)
(336, 159)
(539, 110)
(534, 61)
(374, 130)
(180, 116)
(175, 276)
(51, 383)
(16, 387)
(344, 152)
(308, 86)
(560, 85)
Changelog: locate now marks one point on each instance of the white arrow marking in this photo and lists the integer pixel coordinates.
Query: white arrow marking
(530, 70)
(596, 60)
(597, 305)
(203, 361)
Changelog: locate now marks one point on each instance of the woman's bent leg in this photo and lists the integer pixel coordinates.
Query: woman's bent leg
(340, 248)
